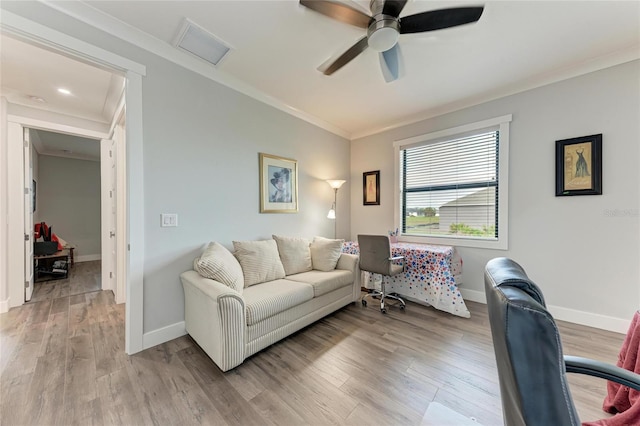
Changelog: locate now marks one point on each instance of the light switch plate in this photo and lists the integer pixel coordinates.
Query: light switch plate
(168, 219)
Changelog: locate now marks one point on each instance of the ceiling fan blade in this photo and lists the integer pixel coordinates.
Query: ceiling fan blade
(331, 66)
(338, 11)
(439, 19)
(393, 7)
(390, 63)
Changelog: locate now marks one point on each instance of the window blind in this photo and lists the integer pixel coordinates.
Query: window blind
(450, 187)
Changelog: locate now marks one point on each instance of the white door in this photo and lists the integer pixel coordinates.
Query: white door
(28, 217)
(121, 211)
(109, 211)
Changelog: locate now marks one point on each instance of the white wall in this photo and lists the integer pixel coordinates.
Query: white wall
(583, 251)
(201, 145)
(201, 161)
(69, 201)
(4, 285)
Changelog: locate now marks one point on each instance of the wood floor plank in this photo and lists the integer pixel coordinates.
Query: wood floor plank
(225, 398)
(119, 402)
(62, 362)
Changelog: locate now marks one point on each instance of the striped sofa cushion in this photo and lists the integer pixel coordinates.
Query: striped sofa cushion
(270, 298)
(324, 282)
(294, 253)
(260, 261)
(217, 263)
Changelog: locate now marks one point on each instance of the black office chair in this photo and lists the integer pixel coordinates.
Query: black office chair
(375, 257)
(531, 366)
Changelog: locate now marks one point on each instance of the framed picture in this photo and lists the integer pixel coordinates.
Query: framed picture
(278, 184)
(371, 188)
(579, 166)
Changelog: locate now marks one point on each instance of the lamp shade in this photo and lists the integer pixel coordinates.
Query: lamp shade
(332, 214)
(335, 183)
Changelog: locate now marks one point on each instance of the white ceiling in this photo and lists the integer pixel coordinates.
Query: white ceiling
(31, 77)
(278, 45)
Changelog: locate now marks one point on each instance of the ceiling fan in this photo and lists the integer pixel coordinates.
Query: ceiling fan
(384, 26)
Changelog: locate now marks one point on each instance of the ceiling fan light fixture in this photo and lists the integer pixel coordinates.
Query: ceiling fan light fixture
(383, 34)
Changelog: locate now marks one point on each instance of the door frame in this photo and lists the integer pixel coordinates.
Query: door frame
(32, 32)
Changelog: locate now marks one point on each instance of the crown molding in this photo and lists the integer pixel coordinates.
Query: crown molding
(102, 21)
(628, 54)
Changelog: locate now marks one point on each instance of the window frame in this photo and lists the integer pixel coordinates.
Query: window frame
(501, 124)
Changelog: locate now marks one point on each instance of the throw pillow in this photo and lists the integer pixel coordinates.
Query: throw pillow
(294, 254)
(260, 261)
(325, 253)
(219, 264)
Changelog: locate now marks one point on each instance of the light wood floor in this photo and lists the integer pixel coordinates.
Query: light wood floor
(83, 278)
(62, 363)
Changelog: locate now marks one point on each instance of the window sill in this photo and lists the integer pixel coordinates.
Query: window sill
(500, 244)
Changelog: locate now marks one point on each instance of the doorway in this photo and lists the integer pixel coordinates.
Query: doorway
(66, 171)
(12, 291)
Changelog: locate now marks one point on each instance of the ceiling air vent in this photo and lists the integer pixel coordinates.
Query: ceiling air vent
(199, 42)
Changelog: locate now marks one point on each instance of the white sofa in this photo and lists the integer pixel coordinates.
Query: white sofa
(238, 304)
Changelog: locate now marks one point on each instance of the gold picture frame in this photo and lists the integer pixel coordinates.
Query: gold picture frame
(278, 184)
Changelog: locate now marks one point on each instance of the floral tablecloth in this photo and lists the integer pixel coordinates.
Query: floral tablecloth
(428, 277)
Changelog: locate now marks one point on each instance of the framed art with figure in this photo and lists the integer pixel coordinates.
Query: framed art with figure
(579, 166)
(371, 188)
(278, 184)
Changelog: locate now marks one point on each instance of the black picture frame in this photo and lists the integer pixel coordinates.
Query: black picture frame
(579, 166)
(371, 188)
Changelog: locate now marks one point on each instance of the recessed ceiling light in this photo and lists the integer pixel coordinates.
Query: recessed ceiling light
(64, 91)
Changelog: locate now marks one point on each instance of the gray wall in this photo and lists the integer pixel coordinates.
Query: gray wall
(201, 161)
(69, 201)
(201, 145)
(583, 251)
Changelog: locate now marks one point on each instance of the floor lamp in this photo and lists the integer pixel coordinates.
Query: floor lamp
(335, 184)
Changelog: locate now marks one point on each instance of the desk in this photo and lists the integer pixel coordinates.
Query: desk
(43, 265)
(428, 277)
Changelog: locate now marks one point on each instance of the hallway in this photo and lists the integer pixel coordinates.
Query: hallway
(83, 278)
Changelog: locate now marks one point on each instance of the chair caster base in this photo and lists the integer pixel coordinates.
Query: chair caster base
(364, 303)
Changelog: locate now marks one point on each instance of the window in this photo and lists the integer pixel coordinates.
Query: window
(453, 185)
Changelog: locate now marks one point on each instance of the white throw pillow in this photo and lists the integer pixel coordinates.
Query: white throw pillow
(260, 261)
(295, 254)
(219, 264)
(325, 253)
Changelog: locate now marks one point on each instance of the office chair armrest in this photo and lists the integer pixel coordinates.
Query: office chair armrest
(404, 264)
(576, 364)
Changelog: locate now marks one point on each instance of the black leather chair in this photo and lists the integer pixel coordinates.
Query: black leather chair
(375, 256)
(531, 365)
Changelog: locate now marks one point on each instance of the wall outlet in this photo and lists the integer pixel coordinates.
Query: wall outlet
(168, 219)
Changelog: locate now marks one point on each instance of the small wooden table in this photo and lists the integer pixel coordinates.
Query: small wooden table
(43, 266)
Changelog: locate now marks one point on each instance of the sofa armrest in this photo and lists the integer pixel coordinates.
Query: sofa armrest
(347, 262)
(215, 319)
(350, 262)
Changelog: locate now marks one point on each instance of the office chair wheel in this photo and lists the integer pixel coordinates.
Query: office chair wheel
(364, 302)
(383, 310)
(402, 307)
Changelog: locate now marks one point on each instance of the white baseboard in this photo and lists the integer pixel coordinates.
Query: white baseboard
(4, 306)
(87, 258)
(163, 335)
(589, 319)
(603, 322)
(473, 295)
